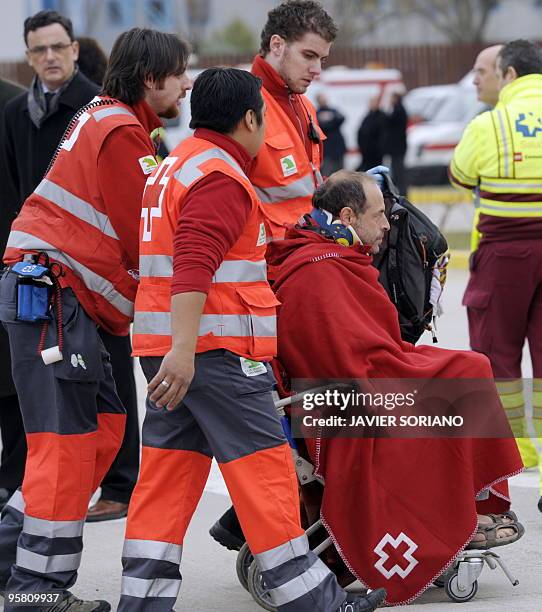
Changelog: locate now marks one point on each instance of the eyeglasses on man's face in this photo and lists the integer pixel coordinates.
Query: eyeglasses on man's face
(56, 48)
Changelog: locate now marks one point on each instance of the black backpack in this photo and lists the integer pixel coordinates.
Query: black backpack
(406, 261)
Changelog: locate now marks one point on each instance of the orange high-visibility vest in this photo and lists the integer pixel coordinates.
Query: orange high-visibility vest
(239, 313)
(66, 218)
(282, 174)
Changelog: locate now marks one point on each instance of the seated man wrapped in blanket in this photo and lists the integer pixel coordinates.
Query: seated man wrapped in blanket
(399, 509)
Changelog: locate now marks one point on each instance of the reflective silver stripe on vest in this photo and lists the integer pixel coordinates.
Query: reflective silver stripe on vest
(108, 112)
(159, 324)
(504, 142)
(238, 325)
(300, 585)
(509, 207)
(515, 413)
(52, 529)
(75, 206)
(190, 171)
(16, 501)
(149, 549)
(45, 564)
(241, 271)
(283, 553)
(142, 588)
(232, 271)
(95, 282)
(512, 186)
(301, 188)
(157, 266)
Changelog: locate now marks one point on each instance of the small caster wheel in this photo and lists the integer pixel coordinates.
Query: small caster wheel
(441, 580)
(452, 590)
(258, 590)
(244, 561)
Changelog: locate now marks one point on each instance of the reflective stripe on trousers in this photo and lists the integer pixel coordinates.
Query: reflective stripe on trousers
(59, 543)
(150, 570)
(297, 579)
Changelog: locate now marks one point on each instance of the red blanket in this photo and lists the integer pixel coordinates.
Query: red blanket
(398, 510)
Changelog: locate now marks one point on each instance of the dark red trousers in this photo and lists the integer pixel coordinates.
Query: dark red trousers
(504, 304)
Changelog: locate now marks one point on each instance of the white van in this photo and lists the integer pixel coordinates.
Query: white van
(431, 144)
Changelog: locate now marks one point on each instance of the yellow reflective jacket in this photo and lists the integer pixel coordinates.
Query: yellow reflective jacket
(500, 153)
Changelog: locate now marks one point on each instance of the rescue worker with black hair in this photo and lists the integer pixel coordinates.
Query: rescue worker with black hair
(499, 154)
(295, 42)
(205, 331)
(73, 250)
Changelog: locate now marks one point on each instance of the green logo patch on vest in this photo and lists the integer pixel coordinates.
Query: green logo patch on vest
(288, 165)
(147, 163)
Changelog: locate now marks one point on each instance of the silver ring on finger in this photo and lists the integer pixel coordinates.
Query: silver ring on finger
(166, 384)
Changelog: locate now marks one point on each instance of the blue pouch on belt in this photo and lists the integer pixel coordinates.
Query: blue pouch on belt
(33, 291)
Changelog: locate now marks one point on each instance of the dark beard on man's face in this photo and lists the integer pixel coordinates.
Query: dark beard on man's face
(170, 113)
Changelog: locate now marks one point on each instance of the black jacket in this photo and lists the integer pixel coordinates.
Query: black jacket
(8, 90)
(396, 132)
(330, 121)
(25, 149)
(371, 136)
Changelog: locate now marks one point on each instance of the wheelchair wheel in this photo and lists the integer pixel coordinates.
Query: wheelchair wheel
(257, 589)
(452, 590)
(441, 580)
(244, 561)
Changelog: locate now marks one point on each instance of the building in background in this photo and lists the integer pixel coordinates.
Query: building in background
(366, 23)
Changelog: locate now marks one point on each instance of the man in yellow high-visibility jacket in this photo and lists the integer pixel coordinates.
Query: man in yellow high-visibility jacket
(500, 154)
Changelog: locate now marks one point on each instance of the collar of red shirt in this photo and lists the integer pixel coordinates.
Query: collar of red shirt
(231, 146)
(271, 79)
(146, 116)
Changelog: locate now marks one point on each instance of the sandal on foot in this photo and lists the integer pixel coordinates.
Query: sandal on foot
(490, 534)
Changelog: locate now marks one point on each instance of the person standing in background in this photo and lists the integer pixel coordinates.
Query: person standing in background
(11, 427)
(330, 120)
(371, 136)
(487, 91)
(92, 59)
(499, 157)
(395, 144)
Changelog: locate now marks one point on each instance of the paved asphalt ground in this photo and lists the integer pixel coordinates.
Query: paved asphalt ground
(210, 583)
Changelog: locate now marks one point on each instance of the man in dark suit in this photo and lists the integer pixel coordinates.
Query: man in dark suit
(13, 443)
(32, 125)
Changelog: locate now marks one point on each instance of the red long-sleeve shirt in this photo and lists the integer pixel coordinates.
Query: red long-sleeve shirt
(121, 180)
(214, 214)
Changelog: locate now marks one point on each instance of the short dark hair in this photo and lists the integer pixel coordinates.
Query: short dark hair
(522, 55)
(45, 18)
(139, 54)
(342, 188)
(92, 59)
(221, 97)
(293, 19)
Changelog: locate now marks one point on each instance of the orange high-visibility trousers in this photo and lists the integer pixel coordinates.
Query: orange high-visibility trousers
(74, 425)
(227, 413)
